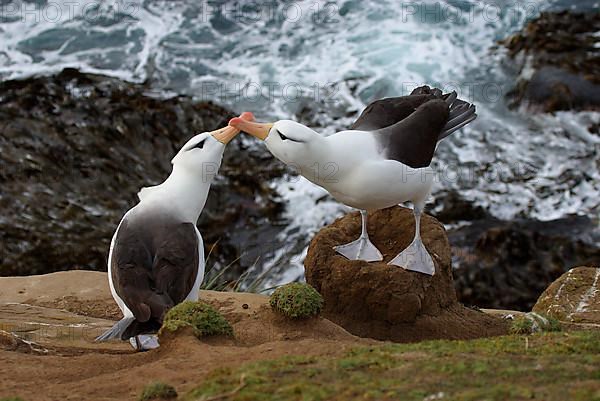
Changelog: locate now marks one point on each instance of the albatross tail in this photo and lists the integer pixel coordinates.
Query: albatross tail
(461, 113)
(116, 332)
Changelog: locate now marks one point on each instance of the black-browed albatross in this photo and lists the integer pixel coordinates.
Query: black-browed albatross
(156, 257)
(383, 160)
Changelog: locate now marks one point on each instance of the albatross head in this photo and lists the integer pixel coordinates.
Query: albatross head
(289, 141)
(203, 153)
(185, 191)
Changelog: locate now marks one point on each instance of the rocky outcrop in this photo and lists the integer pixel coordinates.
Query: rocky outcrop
(501, 264)
(387, 302)
(558, 56)
(574, 297)
(74, 151)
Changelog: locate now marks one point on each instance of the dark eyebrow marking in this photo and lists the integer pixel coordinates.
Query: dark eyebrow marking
(199, 145)
(285, 138)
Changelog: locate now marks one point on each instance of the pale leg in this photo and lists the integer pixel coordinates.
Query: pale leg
(415, 257)
(362, 248)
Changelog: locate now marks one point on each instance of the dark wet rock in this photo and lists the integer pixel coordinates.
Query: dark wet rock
(450, 207)
(384, 301)
(320, 111)
(502, 264)
(558, 54)
(76, 148)
(557, 89)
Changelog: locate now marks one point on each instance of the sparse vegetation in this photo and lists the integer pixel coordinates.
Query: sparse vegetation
(246, 282)
(296, 301)
(544, 366)
(158, 391)
(11, 399)
(533, 323)
(200, 316)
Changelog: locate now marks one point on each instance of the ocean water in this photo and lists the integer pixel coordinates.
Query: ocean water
(321, 62)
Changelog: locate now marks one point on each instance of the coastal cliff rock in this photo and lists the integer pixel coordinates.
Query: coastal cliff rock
(508, 264)
(574, 297)
(558, 58)
(75, 149)
(387, 302)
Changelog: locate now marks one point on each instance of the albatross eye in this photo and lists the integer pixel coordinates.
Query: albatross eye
(199, 145)
(283, 137)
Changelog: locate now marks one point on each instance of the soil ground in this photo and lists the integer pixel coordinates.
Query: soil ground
(47, 352)
(55, 318)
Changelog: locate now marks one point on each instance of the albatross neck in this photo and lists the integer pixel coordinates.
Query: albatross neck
(184, 193)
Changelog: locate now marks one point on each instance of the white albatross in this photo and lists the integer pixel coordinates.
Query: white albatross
(156, 257)
(382, 161)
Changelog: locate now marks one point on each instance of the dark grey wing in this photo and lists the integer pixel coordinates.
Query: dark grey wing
(412, 141)
(154, 266)
(461, 113)
(177, 262)
(131, 269)
(386, 112)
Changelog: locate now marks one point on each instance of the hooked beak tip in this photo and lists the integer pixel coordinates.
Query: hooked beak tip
(235, 121)
(248, 116)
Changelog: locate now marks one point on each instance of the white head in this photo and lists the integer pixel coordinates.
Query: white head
(194, 168)
(291, 142)
(200, 156)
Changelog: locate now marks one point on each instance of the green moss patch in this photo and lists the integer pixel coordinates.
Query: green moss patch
(533, 323)
(545, 366)
(296, 301)
(158, 391)
(200, 316)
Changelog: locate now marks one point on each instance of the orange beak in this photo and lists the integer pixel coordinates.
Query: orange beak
(258, 130)
(226, 134)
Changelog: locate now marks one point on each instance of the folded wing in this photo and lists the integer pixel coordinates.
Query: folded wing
(408, 128)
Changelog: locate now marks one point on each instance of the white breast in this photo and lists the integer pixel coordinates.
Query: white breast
(195, 292)
(364, 179)
(126, 311)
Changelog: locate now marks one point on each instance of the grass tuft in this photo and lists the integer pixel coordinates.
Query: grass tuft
(158, 391)
(214, 279)
(534, 323)
(200, 316)
(296, 301)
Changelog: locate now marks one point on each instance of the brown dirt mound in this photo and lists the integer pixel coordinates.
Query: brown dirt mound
(44, 346)
(255, 323)
(387, 302)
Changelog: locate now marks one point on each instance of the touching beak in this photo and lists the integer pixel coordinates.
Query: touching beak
(258, 130)
(226, 134)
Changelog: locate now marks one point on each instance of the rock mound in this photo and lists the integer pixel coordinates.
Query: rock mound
(387, 302)
(574, 297)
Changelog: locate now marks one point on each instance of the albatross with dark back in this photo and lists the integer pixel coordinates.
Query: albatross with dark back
(155, 261)
(156, 257)
(383, 160)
